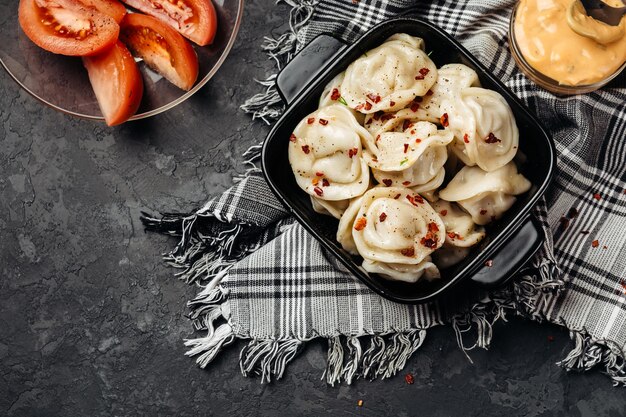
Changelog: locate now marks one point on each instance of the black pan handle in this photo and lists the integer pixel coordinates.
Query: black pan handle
(512, 255)
(306, 66)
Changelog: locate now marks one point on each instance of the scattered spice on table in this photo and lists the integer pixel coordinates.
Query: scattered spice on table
(597, 196)
(409, 378)
(550, 338)
(359, 403)
(489, 263)
(564, 222)
(584, 232)
(595, 243)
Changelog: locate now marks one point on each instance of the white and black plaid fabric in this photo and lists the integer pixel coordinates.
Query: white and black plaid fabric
(270, 282)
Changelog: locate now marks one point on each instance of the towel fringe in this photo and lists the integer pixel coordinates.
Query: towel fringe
(589, 353)
(386, 356)
(268, 358)
(268, 105)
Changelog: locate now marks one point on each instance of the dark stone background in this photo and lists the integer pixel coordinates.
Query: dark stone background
(92, 323)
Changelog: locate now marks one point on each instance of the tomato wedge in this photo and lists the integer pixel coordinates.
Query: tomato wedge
(67, 27)
(194, 19)
(117, 82)
(162, 49)
(112, 8)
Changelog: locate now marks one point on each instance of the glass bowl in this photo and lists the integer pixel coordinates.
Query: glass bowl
(544, 81)
(62, 83)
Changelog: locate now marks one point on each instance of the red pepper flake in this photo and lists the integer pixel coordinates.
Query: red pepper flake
(429, 93)
(315, 181)
(451, 235)
(491, 138)
(406, 183)
(584, 232)
(624, 191)
(550, 338)
(429, 242)
(323, 122)
(418, 99)
(387, 116)
(424, 71)
(374, 158)
(387, 182)
(319, 174)
(408, 378)
(396, 197)
(325, 183)
(358, 107)
(310, 120)
(415, 107)
(572, 213)
(368, 105)
(597, 196)
(604, 247)
(410, 252)
(595, 243)
(377, 138)
(412, 131)
(419, 77)
(419, 199)
(377, 114)
(489, 263)
(444, 120)
(564, 222)
(360, 224)
(417, 140)
(466, 138)
(382, 216)
(432, 227)
(352, 152)
(393, 103)
(483, 212)
(407, 125)
(443, 212)
(306, 149)
(293, 138)
(335, 94)
(318, 191)
(375, 98)
(406, 147)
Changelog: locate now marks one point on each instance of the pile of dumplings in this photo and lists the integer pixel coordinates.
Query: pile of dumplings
(412, 159)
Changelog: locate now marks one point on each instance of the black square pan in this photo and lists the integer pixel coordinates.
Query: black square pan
(510, 241)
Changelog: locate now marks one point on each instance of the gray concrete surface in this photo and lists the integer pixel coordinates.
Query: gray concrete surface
(91, 322)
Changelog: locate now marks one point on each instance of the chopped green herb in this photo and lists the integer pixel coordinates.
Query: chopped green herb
(430, 53)
(365, 54)
(342, 101)
(404, 161)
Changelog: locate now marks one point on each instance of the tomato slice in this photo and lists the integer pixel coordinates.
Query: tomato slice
(112, 8)
(67, 27)
(194, 19)
(116, 80)
(162, 49)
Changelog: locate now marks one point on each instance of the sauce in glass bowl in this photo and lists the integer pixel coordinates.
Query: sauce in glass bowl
(562, 49)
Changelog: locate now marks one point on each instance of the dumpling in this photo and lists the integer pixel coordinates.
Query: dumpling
(461, 231)
(399, 151)
(402, 272)
(448, 255)
(330, 208)
(389, 77)
(486, 195)
(485, 129)
(332, 95)
(451, 79)
(326, 156)
(394, 225)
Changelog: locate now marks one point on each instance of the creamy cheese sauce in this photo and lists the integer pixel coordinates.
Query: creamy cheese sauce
(559, 40)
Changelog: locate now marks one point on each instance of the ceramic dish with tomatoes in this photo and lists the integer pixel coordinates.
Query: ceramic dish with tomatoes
(70, 54)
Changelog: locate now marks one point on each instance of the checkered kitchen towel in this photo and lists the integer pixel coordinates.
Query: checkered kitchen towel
(265, 279)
